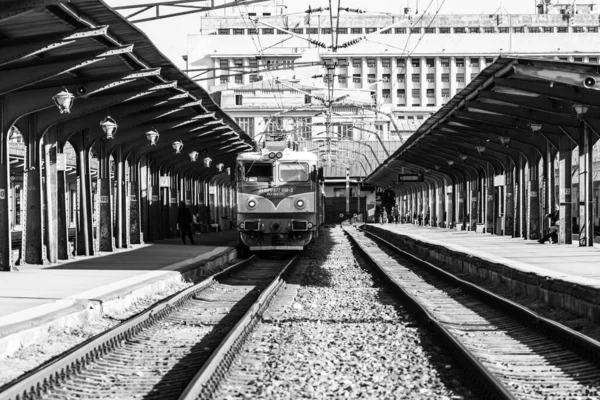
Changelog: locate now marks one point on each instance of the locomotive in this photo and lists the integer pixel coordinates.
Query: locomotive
(280, 204)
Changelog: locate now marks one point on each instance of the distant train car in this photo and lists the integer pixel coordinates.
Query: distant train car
(280, 202)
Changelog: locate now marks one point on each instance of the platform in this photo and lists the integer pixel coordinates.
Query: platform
(39, 296)
(564, 276)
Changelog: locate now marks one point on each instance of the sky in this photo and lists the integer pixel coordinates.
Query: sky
(170, 35)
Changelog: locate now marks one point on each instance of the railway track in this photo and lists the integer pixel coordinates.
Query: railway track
(155, 354)
(514, 353)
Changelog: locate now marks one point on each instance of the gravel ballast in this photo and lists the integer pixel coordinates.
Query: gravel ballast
(335, 333)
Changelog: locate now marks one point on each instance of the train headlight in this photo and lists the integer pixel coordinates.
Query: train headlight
(241, 225)
(251, 203)
(310, 225)
(300, 203)
(272, 155)
(279, 154)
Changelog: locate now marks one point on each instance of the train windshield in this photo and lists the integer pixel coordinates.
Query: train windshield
(293, 172)
(256, 172)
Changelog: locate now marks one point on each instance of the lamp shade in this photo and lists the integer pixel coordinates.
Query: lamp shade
(152, 136)
(480, 148)
(64, 101)
(450, 162)
(177, 146)
(220, 167)
(580, 109)
(535, 127)
(463, 157)
(505, 140)
(109, 127)
(193, 155)
(207, 161)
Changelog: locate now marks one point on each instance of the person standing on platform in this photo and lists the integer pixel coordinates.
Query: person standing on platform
(396, 215)
(553, 230)
(184, 220)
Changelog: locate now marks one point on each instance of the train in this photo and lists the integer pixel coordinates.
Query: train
(280, 198)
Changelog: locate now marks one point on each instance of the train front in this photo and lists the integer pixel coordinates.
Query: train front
(277, 199)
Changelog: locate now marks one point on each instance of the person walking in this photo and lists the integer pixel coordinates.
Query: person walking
(553, 230)
(184, 220)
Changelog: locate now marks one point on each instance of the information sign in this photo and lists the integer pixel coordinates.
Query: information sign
(410, 178)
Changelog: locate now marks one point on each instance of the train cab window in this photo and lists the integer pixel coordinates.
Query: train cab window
(258, 172)
(293, 172)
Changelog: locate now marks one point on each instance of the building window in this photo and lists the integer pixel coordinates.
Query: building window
(400, 62)
(534, 29)
(445, 77)
(415, 30)
(400, 31)
(386, 62)
(238, 31)
(430, 93)
(247, 125)
(238, 99)
(267, 31)
(445, 62)
(371, 62)
(445, 92)
(371, 78)
(430, 62)
(326, 31)
(430, 78)
(503, 29)
(489, 60)
(400, 78)
(386, 31)
(519, 29)
(489, 29)
(370, 30)
(445, 30)
(224, 64)
(578, 29)
(548, 29)
(239, 79)
(253, 63)
(252, 31)
(307, 99)
(474, 62)
(416, 78)
(342, 79)
(344, 131)
(356, 63)
(415, 62)
(356, 78)
(460, 62)
(416, 93)
(223, 31)
(280, 32)
(474, 75)
(356, 31)
(385, 93)
(312, 31)
(562, 29)
(304, 129)
(224, 79)
(593, 60)
(342, 31)
(593, 29)
(460, 77)
(429, 30)
(460, 30)
(299, 31)
(474, 30)
(386, 77)
(578, 59)
(254, 78)
(400, 93)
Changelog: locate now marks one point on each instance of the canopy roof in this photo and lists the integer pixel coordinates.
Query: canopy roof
(113, 69)
(514, 107)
